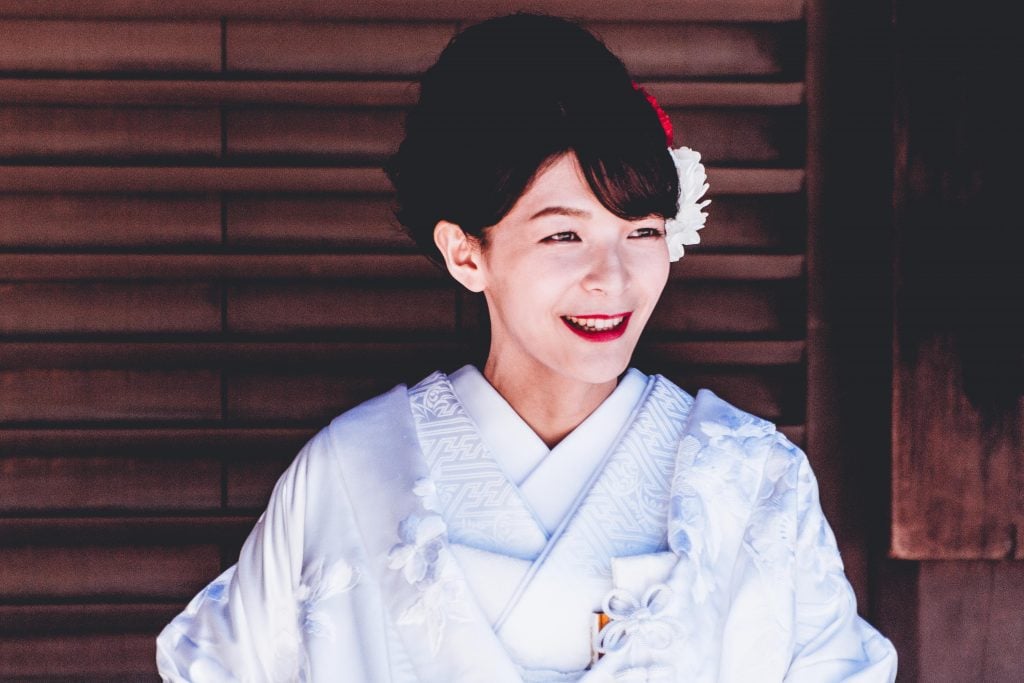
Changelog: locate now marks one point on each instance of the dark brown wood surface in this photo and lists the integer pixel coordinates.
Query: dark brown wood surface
(958, 405)
(199, 268)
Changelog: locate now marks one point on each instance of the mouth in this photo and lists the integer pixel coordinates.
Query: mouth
(598, 328)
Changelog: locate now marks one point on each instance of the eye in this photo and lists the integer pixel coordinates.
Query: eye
(647, 232)
(567, 236)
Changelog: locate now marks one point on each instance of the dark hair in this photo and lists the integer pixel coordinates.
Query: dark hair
(506, 97)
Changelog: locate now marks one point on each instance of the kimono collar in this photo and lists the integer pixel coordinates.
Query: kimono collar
(548, 479)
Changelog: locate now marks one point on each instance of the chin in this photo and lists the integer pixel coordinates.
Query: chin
(597, 370)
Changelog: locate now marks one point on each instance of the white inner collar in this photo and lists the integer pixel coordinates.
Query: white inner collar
(549, 479)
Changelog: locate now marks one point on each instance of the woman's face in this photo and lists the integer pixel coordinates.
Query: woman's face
(569, 285)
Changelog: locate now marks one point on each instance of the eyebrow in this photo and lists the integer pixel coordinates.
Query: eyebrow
(560, 211)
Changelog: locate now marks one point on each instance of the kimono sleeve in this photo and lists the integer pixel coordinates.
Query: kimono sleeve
(244, 626)
(832, 643)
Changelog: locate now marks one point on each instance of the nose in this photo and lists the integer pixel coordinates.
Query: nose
(607, 271)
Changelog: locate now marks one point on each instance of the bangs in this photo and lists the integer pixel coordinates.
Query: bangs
(632, 186)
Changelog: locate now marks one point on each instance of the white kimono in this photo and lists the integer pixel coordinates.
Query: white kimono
(429, 535)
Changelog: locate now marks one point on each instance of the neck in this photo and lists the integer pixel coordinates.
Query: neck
(551, 404)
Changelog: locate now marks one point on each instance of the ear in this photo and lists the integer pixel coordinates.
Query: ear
(461, 254)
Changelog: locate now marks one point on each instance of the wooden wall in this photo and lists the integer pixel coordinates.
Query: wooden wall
(198, 269)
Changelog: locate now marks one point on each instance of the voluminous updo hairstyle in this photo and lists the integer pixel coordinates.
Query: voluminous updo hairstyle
(505, 98)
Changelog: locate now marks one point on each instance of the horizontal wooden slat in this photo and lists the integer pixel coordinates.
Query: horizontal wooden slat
(91, 395)
(95, 307)
(191, 179)
(676, 51)
(360, 49)
(742, 136)
(677, 94)
(351, 133)
(737, 267)
(338, 354)
(68, 619)
(754, 181)
(109, 483)
(165, 442)
(658, 354)
(656, 10)
(293, 179)
(320, 222)
(150, 532)
(389, 93)
(300, 397)
(40, 573)
(56, 221)
(97, 46)
(773, 394)
(108, 132)
(248, 482)
(712, 308)
(257, 308)
(107, 267)
(747, 223)
(103, 658)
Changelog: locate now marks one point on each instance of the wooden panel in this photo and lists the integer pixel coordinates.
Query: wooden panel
(109, 572)
(63, 619)
(94, 658)
(349, 48)
(300, 307)
(742, 136)
(168, 442)
(199, 179)
(314, 222)
(677, 94)
(957, 481)
(724, 181)
(116, 133)
(775, 394)
(958, 474)
(108, 483)
(250, 481)
(697, 10)
(304, 397)
(33, 308)
(34, 395)
(131, 46)
(103, 267)
(733, 308)
(770, 223)
(971, 624)
(679, 51)
(90, 221)
(284, 355)
(350, 133)
(362, 93)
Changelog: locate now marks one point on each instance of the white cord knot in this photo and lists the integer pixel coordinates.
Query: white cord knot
(642, 620)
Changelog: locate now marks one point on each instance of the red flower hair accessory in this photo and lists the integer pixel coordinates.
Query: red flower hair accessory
(666, 122)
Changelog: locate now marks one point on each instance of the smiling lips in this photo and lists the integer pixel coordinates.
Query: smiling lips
(598, 328)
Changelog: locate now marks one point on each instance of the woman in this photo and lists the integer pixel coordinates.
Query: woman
(556, 516)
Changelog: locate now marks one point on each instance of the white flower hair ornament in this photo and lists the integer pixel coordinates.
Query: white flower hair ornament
(681, 231)
(693, 183)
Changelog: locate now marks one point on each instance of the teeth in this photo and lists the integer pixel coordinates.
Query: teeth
(595, 324)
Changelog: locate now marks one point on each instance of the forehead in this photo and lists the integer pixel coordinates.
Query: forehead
(561, 183)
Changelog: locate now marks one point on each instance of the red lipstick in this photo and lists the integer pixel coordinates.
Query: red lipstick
(594, 335)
